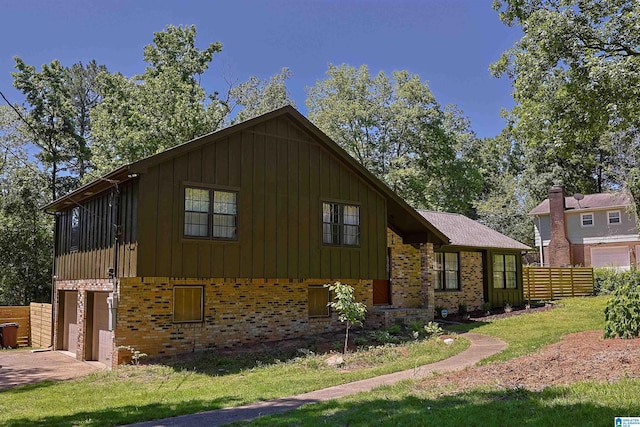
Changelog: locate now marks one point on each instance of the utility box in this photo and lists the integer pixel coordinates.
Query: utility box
(9, 335)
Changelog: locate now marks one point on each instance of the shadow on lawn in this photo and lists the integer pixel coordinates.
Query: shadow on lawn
(124, 414)
(516, 407)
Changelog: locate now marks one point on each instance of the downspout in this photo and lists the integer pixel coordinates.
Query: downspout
(54, 308)
(541, 243)
(115, 199)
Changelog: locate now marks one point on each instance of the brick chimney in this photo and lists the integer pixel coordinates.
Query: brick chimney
(559, 246)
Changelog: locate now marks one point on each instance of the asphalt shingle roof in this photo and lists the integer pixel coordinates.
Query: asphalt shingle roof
(590, 201)
(463, 231)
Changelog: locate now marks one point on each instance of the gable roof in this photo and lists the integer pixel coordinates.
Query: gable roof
(401, 218)
(463, 231)
(590, 202)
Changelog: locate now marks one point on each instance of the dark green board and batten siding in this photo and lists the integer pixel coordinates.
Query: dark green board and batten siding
(96, 232)
(282, 176)
(497, 296)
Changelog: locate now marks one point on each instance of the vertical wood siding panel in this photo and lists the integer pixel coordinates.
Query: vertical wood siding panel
(293, 208)
(245, 205)
(259, 205)
(231, 261)
(148, 223)
(185, 254)
(336, 169)
(217, 260)
(222, 161)
(235, 164)
(304, 213)
(315, 213)
(282, 211)
(209, 163)
(380, 239)
(271, 189)
(194, 171)
(164, 209)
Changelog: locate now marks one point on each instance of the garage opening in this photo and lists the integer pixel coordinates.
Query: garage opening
(99, 338)
(68, 321)
(612, 257)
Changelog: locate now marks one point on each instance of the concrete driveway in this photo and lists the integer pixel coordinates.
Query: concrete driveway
(24, 367)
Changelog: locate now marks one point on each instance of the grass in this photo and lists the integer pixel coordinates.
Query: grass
(581, 404)
(584, 404)
(527, 333)
(133, 394)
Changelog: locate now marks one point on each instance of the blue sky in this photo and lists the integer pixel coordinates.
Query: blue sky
(449, 43)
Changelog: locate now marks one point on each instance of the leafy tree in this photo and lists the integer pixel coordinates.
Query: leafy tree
(84, 97)
(163, 107)
(395, 128)
(256, 96)
(49, 120)
(349, 311)
(576, 78)
(25, 240)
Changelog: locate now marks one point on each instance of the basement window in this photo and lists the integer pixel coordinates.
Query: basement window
(188, 304)
(586, 219)
(319, 301)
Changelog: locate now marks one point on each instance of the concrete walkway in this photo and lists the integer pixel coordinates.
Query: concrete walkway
(482, 346)
(20, 367)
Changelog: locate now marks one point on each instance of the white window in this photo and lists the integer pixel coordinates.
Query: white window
(613, 217)
(586, 219)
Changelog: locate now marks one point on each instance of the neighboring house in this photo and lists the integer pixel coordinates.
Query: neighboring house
(478, 265)
(229, 239)
(591, 230)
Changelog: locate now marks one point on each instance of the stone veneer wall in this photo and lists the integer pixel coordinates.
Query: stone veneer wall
(82, 287)
(236, 311)
(471, 285)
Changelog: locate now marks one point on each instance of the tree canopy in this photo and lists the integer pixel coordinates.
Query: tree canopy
(394, 127)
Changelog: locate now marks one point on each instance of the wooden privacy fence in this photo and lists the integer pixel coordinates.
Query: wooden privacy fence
(19, 315)
(41, 325)
(545, 283)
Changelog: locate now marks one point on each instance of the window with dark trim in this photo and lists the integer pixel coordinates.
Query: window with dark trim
(210, 213)
(504, 271)
(447, 271)
(188, 304)
(74, 236)
(319, 301)
(340, 224)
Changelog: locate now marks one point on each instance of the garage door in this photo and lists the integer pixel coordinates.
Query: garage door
(102, 344)
(611, 257)
(70, 319)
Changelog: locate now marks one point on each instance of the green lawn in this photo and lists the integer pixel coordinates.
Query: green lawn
(134, 394)
(584, 404)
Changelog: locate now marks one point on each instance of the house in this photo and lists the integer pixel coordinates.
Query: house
(478, 264)
(229, 239)
(591, 230)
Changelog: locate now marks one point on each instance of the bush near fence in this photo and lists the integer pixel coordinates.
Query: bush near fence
(547, 283)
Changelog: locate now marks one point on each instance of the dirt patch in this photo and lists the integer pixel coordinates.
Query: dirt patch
(578, 357)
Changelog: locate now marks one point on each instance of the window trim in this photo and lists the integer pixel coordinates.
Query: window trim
(609, 217)
(318, 316)
(504, 276)
(443, 275)
(582, 217)
(341, 224)
(212, 189)
(173, 303)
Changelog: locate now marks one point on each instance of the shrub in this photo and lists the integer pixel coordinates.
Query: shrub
(462, 310)
(433, 329)
(622, 313)
(607, 280)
